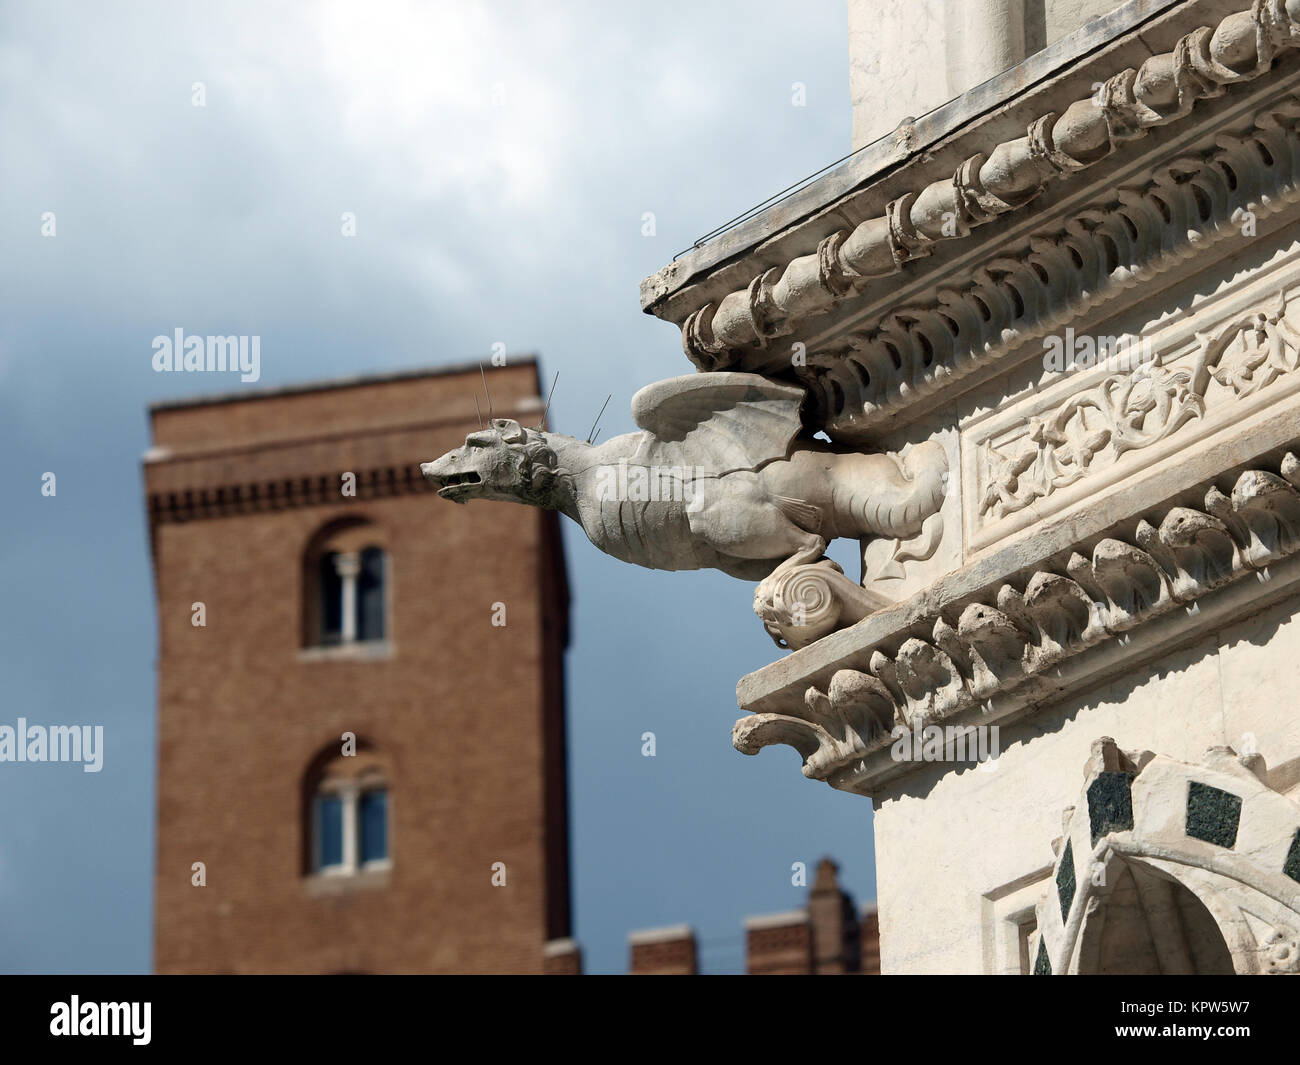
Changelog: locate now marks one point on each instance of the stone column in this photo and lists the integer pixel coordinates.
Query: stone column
(907, 57)
(351, 846)
(983, 38)
(348, 566)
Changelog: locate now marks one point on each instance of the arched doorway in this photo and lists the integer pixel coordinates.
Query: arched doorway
(1170, 868)
(1150, 924)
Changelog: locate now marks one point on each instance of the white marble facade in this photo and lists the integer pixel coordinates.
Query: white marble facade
(1082, 279)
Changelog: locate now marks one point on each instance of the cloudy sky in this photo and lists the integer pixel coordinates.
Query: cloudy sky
(498, 158)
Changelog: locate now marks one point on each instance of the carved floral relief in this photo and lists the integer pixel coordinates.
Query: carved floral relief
(1134, 408)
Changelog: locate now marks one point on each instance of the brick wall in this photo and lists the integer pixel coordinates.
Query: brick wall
(563, 958)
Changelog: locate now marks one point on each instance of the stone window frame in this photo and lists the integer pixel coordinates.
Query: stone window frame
(1008, 921)
(347, 538)
(350, 777)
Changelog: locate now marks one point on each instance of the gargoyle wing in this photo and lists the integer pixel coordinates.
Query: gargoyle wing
(720, 422)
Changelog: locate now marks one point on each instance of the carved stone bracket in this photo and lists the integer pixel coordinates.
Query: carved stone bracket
(1136, 233)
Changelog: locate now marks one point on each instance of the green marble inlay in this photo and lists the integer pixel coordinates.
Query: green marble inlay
(1065, 881)
(1110, 804)
(1212, 814)
(1292, 866)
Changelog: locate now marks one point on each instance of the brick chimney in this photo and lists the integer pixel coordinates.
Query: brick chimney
(778, 944)
(834, 920)
(562, 957)
(869, 938)
(663, 952)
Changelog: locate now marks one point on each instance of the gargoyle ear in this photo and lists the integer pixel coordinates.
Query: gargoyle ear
(511, 431)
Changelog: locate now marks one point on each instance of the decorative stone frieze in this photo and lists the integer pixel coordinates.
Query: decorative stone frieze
(1135, 408)
(1132, 235)
(1056, 441)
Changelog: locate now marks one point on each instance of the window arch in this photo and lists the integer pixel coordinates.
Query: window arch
(347, 813)
(346, 585)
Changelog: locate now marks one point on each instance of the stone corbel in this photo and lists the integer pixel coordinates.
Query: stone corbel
(806, 602)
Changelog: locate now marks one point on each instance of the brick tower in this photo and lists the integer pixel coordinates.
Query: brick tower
(361, 749)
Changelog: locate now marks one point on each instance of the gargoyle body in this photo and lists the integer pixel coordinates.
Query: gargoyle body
(722, 475)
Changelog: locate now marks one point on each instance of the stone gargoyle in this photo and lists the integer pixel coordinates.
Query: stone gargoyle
(723, 475)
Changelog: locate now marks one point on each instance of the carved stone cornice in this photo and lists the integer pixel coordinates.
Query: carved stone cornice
(988, 656)
(1092, 252)
(1188, 205)
(230, 500)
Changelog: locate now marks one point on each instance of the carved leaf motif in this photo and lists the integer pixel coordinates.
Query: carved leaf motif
(1132, 410)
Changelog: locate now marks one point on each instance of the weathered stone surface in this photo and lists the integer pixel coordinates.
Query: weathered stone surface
(722, 475)
(1080, 433)
(1163, 89)
(964, 852)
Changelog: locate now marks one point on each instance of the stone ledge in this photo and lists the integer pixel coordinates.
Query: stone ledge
(938, 333)
(1123, 654)
(1261, 439)
(833, 262)
(666, 934)
(777, 920)
(734, 322)
(1007, 634)
(358, 651)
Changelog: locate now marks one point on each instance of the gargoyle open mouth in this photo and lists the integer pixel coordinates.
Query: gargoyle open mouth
(453, 481)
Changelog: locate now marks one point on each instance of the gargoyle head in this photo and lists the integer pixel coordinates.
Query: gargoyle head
(505, 461)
